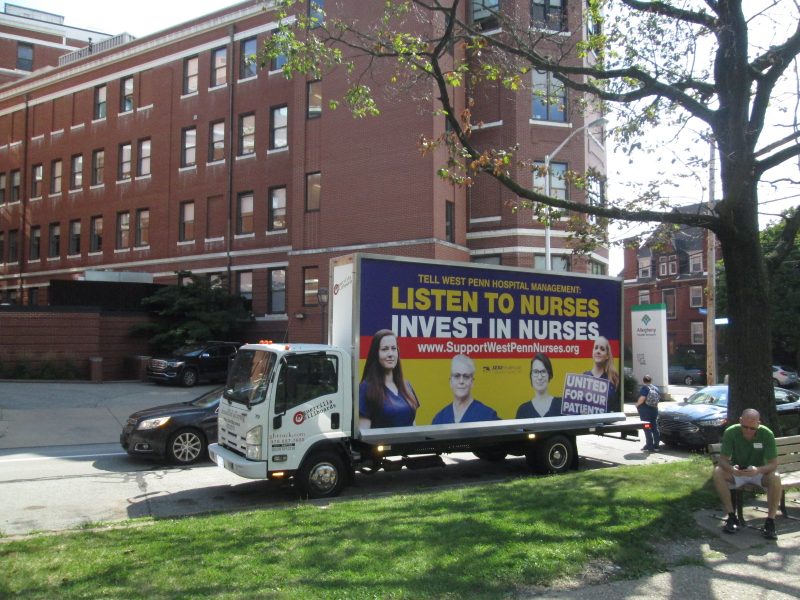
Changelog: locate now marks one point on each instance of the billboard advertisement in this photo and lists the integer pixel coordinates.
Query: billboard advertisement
(443, 343)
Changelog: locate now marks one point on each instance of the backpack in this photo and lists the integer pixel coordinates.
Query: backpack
(652, 396)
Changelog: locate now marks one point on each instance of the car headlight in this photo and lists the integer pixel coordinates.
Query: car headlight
(253, 443)
(718, 422)
(174, 364)
(154, 423)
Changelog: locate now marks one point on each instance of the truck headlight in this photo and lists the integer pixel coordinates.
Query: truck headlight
(253, 442)
(153, 423)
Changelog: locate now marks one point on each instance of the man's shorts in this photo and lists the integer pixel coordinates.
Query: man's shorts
(747, 480)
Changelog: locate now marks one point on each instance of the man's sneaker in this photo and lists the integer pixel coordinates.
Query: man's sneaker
(769, 529)
(732, 524)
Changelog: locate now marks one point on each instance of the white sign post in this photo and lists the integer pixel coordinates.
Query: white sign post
(649, 340)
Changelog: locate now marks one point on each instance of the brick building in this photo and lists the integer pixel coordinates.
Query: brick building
(174, 152)
(671, 268)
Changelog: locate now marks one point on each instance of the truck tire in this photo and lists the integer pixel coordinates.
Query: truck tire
(188, 377)
(553, 455)
(322, 475)
(491, 455)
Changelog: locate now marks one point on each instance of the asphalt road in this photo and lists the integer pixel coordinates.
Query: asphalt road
(61, 465)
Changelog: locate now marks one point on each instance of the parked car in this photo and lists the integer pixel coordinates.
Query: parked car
(686, 375)
(179, 433)
(702, 418)
(784, 376)
(188, 365)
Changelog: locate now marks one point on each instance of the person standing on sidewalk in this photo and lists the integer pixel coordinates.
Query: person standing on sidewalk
(748, 456)
(647, 407)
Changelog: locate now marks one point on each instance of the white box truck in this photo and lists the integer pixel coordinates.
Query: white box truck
(426, 358)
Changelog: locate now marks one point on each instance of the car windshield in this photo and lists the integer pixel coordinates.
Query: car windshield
(188, 349)
(209, 398)
(249, 375)
(715, 396)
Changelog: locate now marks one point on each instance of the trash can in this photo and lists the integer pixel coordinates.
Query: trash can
(96, 369)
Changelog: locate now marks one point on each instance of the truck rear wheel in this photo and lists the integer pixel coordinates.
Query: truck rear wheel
(322, 475)
(553, 455)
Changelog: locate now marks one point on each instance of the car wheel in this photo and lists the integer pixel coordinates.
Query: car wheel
(553, 455)
(188, 377)
(688, 380)
(186, 446)
(491, 455)
(322, 475)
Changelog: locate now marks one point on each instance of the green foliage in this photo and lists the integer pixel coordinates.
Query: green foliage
(196, 311)
(47, 367)
(483, 541)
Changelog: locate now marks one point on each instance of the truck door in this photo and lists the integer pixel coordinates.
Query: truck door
(307, 407)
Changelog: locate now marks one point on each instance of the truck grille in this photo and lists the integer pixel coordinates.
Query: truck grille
(158, 365)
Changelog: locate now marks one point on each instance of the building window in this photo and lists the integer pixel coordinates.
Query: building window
(549, 14)
(557, 262)
(96, 234)
(244, 213)
(247, 54)
(314, 102)
(644, 267)
(277, 63)
(142, 227)
(123, 237)
(3, 183)
(13, 251)
(74, 244)
(595, 195)
(278, 127)
(316, 13)
(37, 176)
(35, 243)
(549, 98)
(244, 287)
(449, 221)
(143, 161)
(698, 333)
(597, 268)
(55, 177)
(310, 286)
(54, 240)
(558, 180)
(126, 94)
(190, 75)
(24, 56)
(313, 191)
(76, 174)
(186, 225)
(216, 141)
(696, 263)
(644, 296)
(673, 264)
(98, 164)
(188, 146)
(100, 101)
(696, 296)
(219, 67)
(16, 185)
(124, 168)
(662, 266)
(668, 298)
(484, 9)
(247, 134)
(276, 219)
(276, 295)
(487, 259)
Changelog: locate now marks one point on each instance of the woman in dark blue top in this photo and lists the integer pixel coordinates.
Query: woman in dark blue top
(543, 403)
(385, 398)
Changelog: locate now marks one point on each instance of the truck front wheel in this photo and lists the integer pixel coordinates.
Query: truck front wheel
(322, 475)
(553, 455)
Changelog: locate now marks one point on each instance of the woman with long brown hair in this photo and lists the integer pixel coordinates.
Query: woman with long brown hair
(385, 398)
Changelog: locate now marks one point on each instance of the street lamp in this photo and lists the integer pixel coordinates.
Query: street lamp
(602, 121)
(322, 298)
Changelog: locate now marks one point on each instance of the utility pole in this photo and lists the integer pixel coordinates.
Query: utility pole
(711, 279)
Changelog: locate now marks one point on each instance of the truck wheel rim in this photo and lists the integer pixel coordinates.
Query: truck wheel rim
(323, 477)
(558, 456)
(186, 447)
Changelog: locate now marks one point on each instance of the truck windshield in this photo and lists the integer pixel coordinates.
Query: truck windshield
(249, 376)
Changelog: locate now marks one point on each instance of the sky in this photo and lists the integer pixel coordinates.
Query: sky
(150, 16)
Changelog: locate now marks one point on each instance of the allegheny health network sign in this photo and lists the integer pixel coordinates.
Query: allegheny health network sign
(649, 342)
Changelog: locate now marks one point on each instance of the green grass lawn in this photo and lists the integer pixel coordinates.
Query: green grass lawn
(482, 541)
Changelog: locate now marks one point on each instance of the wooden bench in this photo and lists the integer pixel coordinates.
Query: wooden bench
(788, 468)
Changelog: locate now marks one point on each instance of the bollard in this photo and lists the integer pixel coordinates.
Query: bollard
(96, 369)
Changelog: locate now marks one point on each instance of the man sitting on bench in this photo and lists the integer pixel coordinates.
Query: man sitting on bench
(748, 456)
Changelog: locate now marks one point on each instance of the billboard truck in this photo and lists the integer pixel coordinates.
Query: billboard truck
(426, 358)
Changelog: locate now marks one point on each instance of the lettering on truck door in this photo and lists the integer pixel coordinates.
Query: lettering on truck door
(306, 407)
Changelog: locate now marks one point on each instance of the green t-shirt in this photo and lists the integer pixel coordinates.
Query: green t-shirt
(745, 453)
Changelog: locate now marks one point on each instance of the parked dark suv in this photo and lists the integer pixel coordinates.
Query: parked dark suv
(192, 363)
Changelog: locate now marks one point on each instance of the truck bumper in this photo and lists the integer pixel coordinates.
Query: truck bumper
(230, 461)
